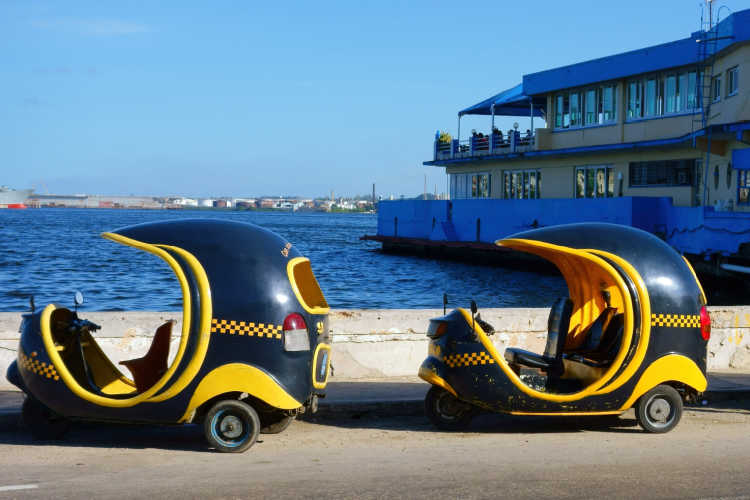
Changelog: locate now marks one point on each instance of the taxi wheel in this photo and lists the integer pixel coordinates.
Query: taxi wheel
(43, 423)
(231, 426)
(274, 422)
(445, 411)
(659, 410)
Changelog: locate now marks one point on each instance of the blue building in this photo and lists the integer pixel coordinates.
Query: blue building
(657, 138)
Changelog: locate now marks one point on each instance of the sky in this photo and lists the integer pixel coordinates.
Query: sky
(253, 98)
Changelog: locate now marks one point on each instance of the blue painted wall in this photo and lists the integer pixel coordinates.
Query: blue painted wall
(695, 230)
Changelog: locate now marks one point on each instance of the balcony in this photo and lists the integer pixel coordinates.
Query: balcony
(481, 145)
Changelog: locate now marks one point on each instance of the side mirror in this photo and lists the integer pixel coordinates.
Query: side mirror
(31, 303)
(473, 307)
(445, 302)
(78, 298)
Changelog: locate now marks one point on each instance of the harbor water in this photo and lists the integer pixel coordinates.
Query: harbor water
(50, 253)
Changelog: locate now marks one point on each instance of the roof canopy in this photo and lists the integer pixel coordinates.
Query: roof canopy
(511, 102)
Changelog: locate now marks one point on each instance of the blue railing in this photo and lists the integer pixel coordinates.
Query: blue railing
(479, 145)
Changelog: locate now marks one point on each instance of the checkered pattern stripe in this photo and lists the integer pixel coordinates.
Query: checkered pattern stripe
(232, 327)
(469, 359)
(676, 320)
(32, 364)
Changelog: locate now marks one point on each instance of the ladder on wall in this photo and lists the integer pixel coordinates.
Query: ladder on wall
(704, 86)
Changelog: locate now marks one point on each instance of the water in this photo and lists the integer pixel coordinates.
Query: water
(50, 253)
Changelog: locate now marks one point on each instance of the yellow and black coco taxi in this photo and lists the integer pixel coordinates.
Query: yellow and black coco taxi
(632, 333)
(253, 352)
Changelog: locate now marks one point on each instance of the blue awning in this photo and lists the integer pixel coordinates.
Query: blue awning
(511, 102)
(741, 159)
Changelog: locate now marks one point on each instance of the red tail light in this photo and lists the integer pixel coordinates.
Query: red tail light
(295, 333)
(705, 324)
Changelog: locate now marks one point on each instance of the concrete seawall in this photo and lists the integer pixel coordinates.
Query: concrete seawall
(384, 343)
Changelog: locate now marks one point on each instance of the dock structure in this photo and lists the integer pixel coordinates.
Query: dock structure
(657, 138)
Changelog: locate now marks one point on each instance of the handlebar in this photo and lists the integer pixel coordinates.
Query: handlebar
(83, 325)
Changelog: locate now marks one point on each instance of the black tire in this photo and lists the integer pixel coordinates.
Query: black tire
(659, 410)
(231, 426)
(445, 411)
(274, 422)
(43, 423)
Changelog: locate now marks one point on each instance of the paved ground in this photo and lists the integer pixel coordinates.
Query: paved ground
(370, 440)
(365, 456)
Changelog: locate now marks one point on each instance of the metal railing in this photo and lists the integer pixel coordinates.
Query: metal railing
(479, 145)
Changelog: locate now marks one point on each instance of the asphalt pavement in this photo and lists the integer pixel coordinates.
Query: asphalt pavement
(401, 396)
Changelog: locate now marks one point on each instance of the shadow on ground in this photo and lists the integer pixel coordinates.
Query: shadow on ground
(101, 435)
(486, 423)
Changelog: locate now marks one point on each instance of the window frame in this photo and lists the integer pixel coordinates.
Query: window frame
(716, 88)
(732, 81)
(589, 175)
(743, 185)
(680, 167)
(572, 107)
(513, 179)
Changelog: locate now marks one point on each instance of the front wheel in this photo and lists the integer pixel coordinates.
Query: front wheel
(43, 423)
(659, 410)
(231, 426)
(445, 411)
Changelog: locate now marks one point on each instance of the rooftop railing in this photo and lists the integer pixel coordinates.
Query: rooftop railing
(479, 145)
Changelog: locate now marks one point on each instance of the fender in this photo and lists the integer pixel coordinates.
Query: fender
(239, 377)
(669, 368)
(431, 371)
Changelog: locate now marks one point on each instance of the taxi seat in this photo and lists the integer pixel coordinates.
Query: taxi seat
(603, 342)
(557, 331)
(149, 369)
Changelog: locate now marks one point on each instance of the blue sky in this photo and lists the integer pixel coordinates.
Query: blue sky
(255, 98)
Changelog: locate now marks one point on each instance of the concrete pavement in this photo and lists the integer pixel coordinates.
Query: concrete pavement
(400, 396)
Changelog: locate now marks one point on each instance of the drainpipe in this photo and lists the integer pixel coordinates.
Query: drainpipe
(531, 111)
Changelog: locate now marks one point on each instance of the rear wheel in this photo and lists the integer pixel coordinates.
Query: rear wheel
(445, 411)
(274, 422)
(231, 426)
(659, 410)
(43, 423)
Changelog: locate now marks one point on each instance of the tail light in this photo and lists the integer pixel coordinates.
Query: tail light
(705, 324)
(295, 333)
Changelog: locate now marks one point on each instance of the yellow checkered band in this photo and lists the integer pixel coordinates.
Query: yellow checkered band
(233, 327)
(468, 359)
(30, 363)
(676, 320)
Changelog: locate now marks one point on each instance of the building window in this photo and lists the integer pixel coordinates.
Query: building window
(743, 187)
(635, 100)
(662, 173)
(594, 181)
(521, 184)
(732, 81)
(473, 185)
(652, 95)
(658, 95)
(716, 88)
(584, 108)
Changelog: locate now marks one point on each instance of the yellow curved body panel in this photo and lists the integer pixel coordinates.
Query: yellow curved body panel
(670, 368)
(238, 377)
(195, 362)
(433, 378)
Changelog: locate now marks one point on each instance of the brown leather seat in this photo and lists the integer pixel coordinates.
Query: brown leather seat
(149, 369)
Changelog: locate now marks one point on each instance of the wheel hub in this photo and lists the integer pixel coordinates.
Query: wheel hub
(658, 410)
(231, 427)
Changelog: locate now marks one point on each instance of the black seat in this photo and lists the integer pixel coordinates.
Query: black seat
(602, 342)
(557, 332)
